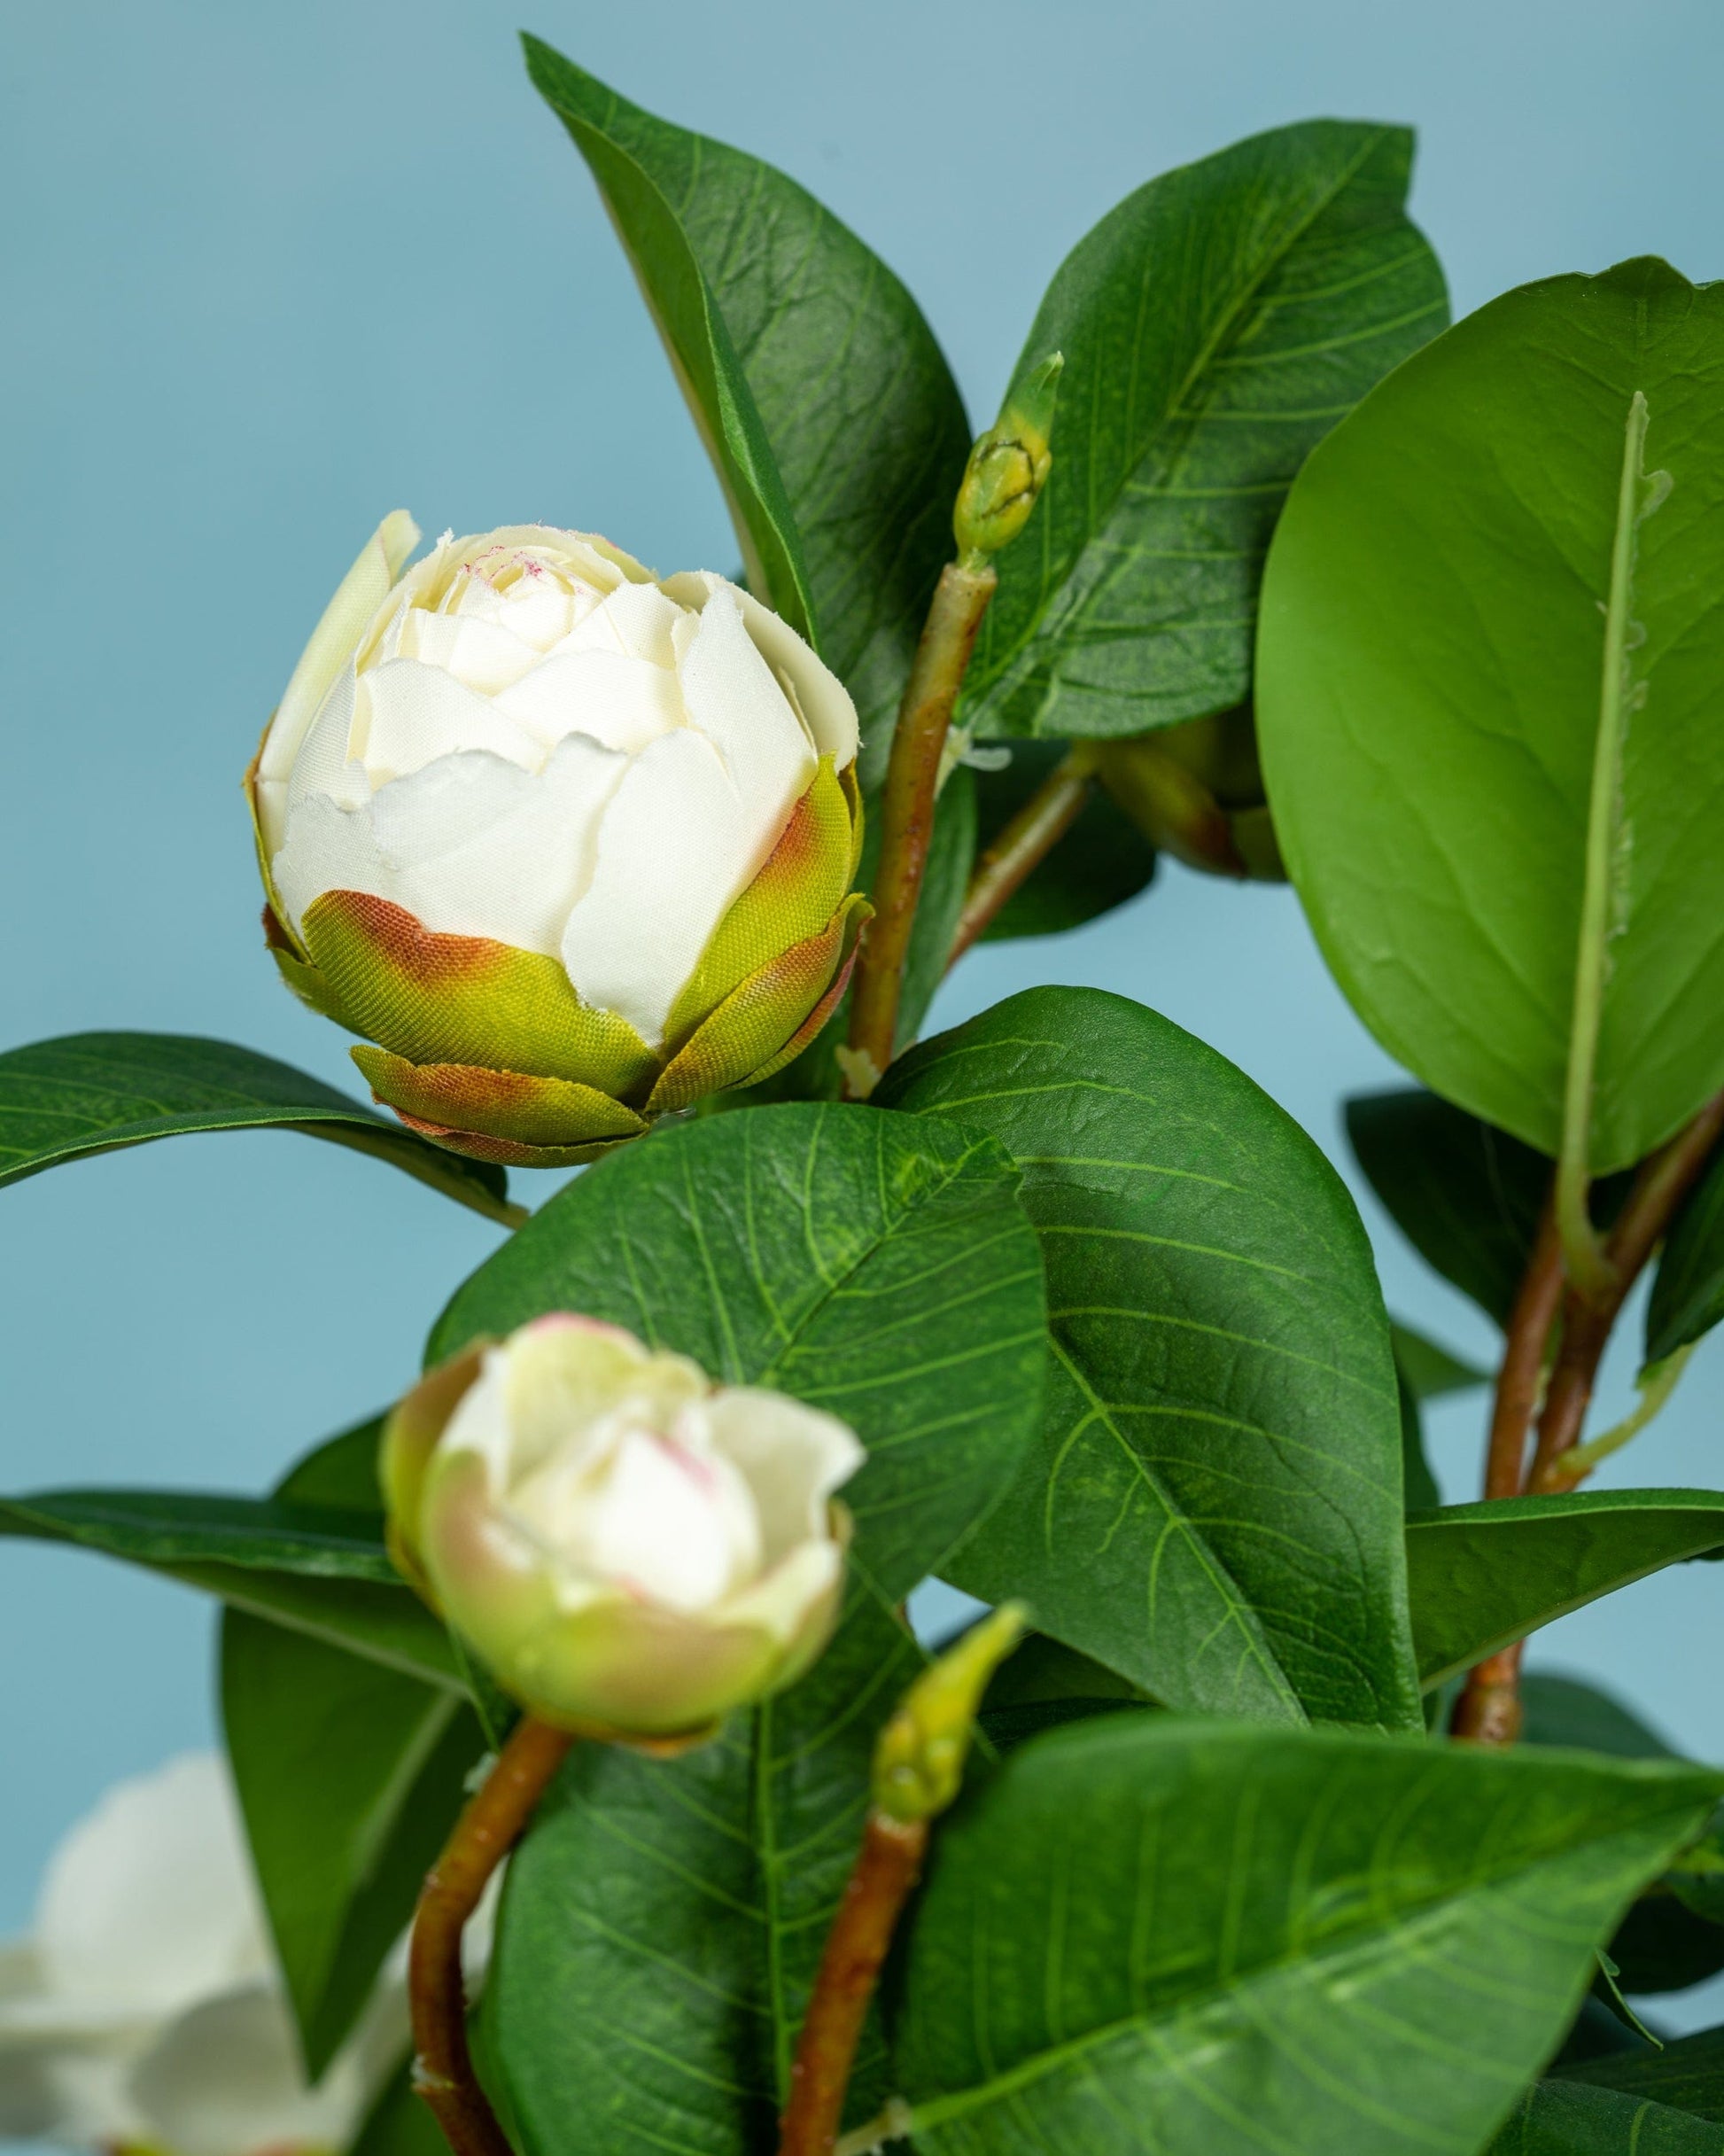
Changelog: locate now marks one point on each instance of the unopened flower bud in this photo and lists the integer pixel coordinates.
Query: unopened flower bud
(1008, 466)
(919, 1758)
(569, 847)
(632, 1550)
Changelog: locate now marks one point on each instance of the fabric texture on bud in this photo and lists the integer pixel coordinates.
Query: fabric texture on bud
(633, 1551)
(568, 845)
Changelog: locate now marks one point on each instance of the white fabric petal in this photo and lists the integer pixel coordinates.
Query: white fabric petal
(485, 655)
(673, 851)
(418, 713)
(471, 846)
(673, 1524)
(624, 703)
(151, 1899)
(224, 2080)
(636, 619)
(793, 1458)
(821, 696)
(688, 829)
(338, 636)
(779, 1601)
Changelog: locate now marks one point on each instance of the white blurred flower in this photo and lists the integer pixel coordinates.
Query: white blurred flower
(144, 2009)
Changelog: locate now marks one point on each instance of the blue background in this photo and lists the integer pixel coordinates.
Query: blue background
(272, 271)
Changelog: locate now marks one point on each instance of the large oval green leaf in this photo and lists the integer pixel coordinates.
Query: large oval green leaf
(1156, 1935)
(1214, 1507)
(1214, 325)
(871, 1265)
(1465, 599)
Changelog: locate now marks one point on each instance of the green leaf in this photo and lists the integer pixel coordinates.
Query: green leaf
(1563, 2118)
(1425, 1372)
(1688, 1288)
(1428, 1367)
(349, 1777)
(1215, 1506)
(1103, 861)
(1563, 1711)
(1483, 1575)
(1688, 2075)
(878, 1266)
(661, 1923)
(93, 1092)
(1145, 1933)
(167, 1527)
(1467, 1197)
(703, 351)
(1215, 326)
(785, 327)
(311, 1557)
(400, 2122)
(1433, 673)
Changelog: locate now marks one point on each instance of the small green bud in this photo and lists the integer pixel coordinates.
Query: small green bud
(919, 1760)
(1008, 466)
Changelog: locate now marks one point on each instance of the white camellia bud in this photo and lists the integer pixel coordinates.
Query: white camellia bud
(632, 1550)
(145, 2011)
(572, 846)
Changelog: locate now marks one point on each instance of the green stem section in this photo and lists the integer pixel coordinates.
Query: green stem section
(886, 1868)
(1023, 845)
(487, 1830)
(912, 777)
(1582, 1251)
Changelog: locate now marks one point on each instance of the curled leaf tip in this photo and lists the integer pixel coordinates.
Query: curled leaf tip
(919, 1760)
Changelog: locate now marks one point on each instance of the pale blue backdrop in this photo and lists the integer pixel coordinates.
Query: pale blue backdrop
(269, 272)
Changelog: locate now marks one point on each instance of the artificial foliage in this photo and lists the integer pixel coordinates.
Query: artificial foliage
(1258, 1840)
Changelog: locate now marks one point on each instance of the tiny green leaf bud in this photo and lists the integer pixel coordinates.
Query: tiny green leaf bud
(919, 1760)
(1008, 467)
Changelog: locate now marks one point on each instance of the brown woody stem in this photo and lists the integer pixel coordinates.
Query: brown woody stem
(1022, 847)
(913, 777)
(1662, 1182)
(1489, 1709)
(493, 1821)
(886, 1868)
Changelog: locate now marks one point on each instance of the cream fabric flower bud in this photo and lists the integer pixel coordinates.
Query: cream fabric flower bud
(632, 1550)
(571, 845)
(145, 2011)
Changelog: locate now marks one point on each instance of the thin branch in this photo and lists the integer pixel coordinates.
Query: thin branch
(492, 1823)
(1660, 1188)
(936, 674)
(887, 1869)
(1022, 847)
(1521, 1379)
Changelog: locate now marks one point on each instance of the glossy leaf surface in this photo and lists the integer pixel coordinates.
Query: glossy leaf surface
(877, 1266)
(1481, 1576)
(813, 340)
(1432, 681)
(1147, 1932)
(1216, 324)
(1214, 1505)
(350, 1777)
(1568, 2118)
(93, 1092)
(1688, 1288)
